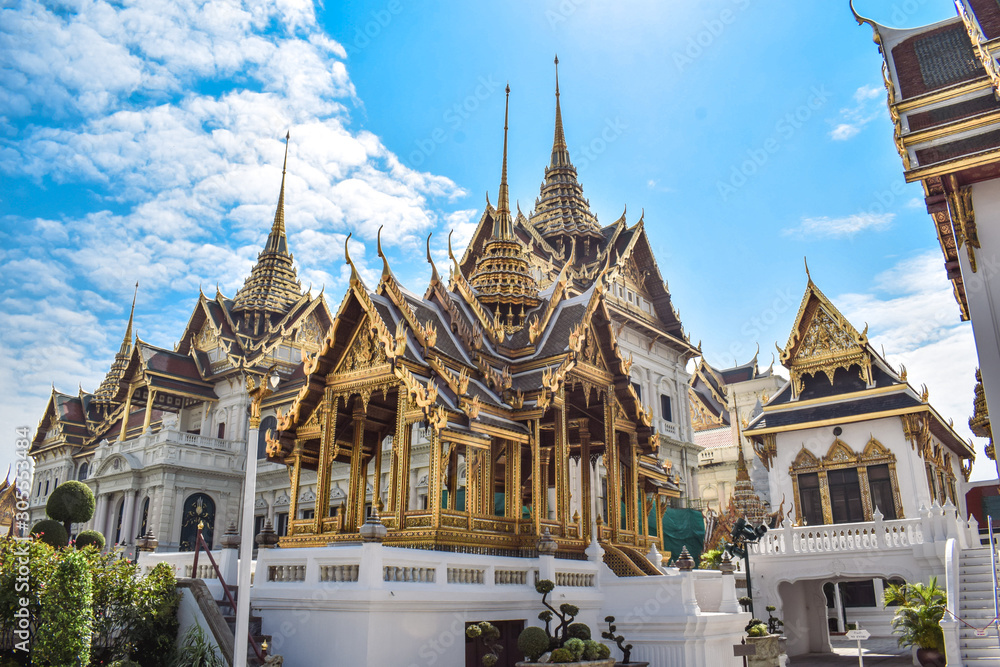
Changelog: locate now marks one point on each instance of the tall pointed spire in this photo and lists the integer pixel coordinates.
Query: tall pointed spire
(276, 240)
(502, 278)
(560, 152)
(561, 210)
(503, 226)
(109, 387)
(272, 286)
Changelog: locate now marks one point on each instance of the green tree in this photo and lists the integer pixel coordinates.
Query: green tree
(51, 532)
(918, 617)
(66, 614)
(71, 502)
(90, 538)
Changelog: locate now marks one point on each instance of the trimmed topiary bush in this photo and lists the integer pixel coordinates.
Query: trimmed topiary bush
(51, 532)
(66, 614)
(533, 642)
(578, 631)
(90, 538)
(576, 646)
(562, 655)
(757, 630)
(71, 502)
(197, 651)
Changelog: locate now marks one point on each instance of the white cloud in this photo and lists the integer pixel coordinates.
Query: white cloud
(109, 98)
(869, 105)
(912, 314)
(845, 227)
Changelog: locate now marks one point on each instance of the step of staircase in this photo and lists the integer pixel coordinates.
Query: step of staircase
(976, 606)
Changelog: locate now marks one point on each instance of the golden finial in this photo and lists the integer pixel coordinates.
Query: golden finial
(347, 259)
(806, 261)
(201, 525)
(457, 268)
(502, 227)
(386, 271)
(434, 272)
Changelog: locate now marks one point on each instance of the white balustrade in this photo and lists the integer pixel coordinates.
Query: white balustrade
(844, 537)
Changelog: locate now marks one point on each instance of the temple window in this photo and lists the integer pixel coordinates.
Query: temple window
(844, 486)
(665, 412)
(222, 430)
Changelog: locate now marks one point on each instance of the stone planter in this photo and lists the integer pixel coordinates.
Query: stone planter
(610, 662)
(769, 649)
(929, 657)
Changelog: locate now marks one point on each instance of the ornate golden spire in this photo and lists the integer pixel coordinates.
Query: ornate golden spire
(560, 152)
(109, 387)
(502, 277)
(503, 226)
(561, 210)
(272, 286)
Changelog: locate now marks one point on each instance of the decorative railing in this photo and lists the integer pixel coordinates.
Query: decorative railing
(287, 572)
(844, 537)
(510, 577)
(348, 572)
(466, 575)
(574, 579)
(420, 575)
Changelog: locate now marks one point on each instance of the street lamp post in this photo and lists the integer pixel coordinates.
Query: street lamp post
(743, 535)
(257, 395)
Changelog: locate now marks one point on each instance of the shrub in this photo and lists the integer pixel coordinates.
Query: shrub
(90, 538)
(626, 649)
(562, 655)
(66, 614)
(576, 646)
(753, 622)
(71, 502)
(533, 642)
(710, 559)
(774, 624)
(51, 532)
(917, 619)
(757, 630)
(156, 631)
(197, 651)
(578, 630)
(491, 640)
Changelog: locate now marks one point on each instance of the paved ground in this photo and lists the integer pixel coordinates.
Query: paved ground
(880, 652)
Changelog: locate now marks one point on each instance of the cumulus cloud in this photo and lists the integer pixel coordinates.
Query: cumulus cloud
(171, 117)
(912, 314)
(868, 105)
(849, 226)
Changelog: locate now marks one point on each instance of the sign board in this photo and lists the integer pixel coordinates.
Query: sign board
(741, 650)
(858, 634)
(982, 633)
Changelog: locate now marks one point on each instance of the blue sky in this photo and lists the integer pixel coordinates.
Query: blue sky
(142, 141)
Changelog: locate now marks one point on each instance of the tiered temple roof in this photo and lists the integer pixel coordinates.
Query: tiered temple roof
(510, 399)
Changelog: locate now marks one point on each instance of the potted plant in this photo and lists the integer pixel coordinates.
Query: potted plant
(626, 649)
(567, 643)
(768, 645)
(918, 617)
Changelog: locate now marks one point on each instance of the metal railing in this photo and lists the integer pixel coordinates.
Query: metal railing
(993, 570)
(199, 545)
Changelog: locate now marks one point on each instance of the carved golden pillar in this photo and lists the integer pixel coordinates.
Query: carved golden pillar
(544, 482)
(632, 491)
(294, 476)
(323, 464)
(377, 473)
(537, 488)
(512, 487)
(824, 494)
(401, 453)
(473, 481)
(866, 494)
(453, 478)
(660, 507)
(434, 477)
(356, 486)
(487, 496)
(561, 464)
(612, 465)
(125, 414)
(149, 411)
(586, 499)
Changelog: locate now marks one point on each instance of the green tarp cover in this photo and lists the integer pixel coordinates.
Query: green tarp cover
(681, 527)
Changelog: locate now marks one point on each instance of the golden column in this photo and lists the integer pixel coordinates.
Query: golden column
(401, 452)
(327, 443)
(537, 488)
(612, 465)
(512, 486)
(453, 478)
(377, 473)
(562, 462)
(294, 475)
(633, 484)
(434, 476)
(356, 487)
(586, 500)
(149, 410)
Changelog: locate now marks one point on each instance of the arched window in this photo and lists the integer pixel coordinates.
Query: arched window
(144, 517)
(84, 469)
(119, 515)
(266, 424)
(198, 508)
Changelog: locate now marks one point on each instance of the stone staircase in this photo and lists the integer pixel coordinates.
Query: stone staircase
(976, 608)
(229, 614)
